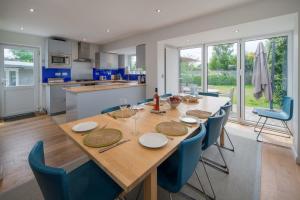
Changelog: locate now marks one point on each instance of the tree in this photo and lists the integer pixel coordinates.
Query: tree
(22, 55)
(222, 57)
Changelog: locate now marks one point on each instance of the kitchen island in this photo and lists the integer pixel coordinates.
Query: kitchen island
(86, 101)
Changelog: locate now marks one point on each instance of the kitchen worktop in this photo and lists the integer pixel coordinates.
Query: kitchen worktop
(85, 82)
(106, 86)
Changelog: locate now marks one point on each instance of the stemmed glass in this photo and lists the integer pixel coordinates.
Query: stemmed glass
(123, 105)
(135, 117)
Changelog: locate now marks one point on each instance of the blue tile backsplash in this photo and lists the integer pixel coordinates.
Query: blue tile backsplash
(55, 73)
(66, 74)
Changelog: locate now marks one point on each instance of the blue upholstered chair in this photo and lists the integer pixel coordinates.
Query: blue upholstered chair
(214, 127)
(285, 115)
(166, 95)
(86, 182)
(227, 109)
(145, 101)
(211, 94)
(175, 172)
(111, 109)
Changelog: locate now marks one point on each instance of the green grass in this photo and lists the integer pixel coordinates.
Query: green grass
(250, 100)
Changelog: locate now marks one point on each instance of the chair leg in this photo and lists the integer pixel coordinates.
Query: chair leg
(261, 130)
(231, 144)
(257, 124)
(170, 196)
(211, 187)
(223, 168)
(202, 191)
(139, 192)
(287, 127)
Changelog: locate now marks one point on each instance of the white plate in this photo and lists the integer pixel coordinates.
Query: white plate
(189, 119)
(138, 107)
(153, 140)
(84, 126)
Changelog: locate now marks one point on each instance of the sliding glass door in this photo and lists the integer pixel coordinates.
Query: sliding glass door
(222, 72)
(276, 53)
(191, 70)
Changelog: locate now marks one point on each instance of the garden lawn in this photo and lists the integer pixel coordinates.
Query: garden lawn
(250, 100)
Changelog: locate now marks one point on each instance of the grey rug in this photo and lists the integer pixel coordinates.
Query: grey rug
(243, 180)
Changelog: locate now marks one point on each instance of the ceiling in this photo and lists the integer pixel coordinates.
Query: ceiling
(256, 29)
(79, 19)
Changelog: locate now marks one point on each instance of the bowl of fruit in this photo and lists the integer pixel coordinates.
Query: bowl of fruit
(174, 101)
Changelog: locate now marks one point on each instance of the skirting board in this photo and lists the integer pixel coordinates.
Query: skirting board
(296, 156)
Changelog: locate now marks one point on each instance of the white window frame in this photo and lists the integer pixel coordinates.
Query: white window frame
(8, 81)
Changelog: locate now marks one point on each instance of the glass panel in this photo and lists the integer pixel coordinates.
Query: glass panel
(18, 67)
(276, 56)
(222, 72)
(190, 72)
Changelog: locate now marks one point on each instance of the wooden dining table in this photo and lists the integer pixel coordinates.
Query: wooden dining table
(130, 163)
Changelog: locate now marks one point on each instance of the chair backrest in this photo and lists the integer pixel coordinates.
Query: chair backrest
(214, 126)
(189, 151)
(288, 106)
(211, 94)
(145, 101)
(52, 181)
(227, 109)
(166, 95)
(114, 108)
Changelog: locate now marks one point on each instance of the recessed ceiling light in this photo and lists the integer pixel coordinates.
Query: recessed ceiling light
(158, 10)
(107, 30)
(237, 30)
(22, 28)
(31, 10)
(84, 39)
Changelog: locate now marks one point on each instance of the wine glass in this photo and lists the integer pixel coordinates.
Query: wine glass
(135, 118)
(123, 105)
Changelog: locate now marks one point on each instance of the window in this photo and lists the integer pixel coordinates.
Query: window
(18, 67)
(132, 62)
(190, 70)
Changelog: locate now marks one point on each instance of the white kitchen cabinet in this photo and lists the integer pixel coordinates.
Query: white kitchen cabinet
(106, 60)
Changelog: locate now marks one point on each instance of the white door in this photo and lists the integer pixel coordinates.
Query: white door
(18, 75)
(172, 70)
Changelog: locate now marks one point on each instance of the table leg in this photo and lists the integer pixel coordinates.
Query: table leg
(222, 138)
(150, 186)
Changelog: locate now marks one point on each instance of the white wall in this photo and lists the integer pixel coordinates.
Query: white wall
(239, 15)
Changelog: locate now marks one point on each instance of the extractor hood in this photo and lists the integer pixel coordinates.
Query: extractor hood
(83, 52)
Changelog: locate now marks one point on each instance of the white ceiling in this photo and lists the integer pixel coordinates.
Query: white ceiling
(78, 19)
(261, 28)
(126, 51)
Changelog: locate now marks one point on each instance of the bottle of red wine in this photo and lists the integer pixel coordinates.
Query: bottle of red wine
(156, 101)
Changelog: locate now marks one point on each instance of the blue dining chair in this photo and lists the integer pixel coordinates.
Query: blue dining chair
(175, 172)
(85, 182)
(214, 127)
(145, 101)
(227, 108)
(114, 108)
(166, 95)
(211, 94)
(285, 115)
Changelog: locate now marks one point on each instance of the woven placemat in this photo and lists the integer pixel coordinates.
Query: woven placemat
(126, 113)
(190, 99)
(199, 113)
(102, 137)
(171, 128)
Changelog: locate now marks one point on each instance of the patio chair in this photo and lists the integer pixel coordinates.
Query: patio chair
(284, 115)
(88, 181)
(211, 94)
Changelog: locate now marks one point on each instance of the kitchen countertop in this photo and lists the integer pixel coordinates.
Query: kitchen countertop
(113, 85)
(86, 82)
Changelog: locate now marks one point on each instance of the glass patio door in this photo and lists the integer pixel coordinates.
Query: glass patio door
(276, 49)
(223, 72)
(18, 75)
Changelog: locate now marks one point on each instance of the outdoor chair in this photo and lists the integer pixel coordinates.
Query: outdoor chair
(211, 94)
(284, 115)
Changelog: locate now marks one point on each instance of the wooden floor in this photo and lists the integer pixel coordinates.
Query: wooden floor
(280, 177)
(16, 140)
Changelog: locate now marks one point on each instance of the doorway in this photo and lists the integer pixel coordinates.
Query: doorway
(19, 83)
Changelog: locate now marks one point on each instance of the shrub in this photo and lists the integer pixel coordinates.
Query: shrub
(221, 79)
